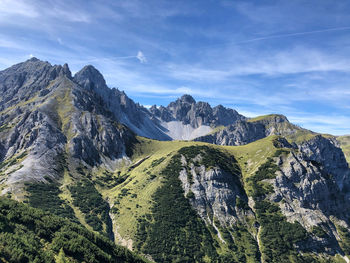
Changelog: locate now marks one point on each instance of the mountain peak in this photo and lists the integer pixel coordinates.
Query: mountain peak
(187, 99)
(33, 59)
(89, 77)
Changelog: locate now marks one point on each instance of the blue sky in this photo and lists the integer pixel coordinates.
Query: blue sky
(258, 57)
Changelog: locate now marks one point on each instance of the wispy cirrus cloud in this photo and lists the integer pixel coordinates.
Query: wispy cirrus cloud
(18, 8)
(244, 62)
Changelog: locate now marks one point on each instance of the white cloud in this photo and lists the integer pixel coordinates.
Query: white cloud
(18, 7)
(333, 124)
(243, 63)
(30, 13)
(7, 43)
(141, 57)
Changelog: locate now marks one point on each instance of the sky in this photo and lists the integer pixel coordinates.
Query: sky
(258, 57)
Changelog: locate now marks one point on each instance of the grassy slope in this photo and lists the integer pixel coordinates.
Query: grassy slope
(132, 198)
(345, 145)
(264, 117)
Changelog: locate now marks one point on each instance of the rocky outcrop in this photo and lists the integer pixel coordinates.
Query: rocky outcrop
(23, 81)
(311, 187)
(188, 111)
(131, 114)
(63, 121)
(247, 131)
(213, 191)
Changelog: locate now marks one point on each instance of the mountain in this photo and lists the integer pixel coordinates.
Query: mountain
(183, 183)
(250, 130)
(186, 119)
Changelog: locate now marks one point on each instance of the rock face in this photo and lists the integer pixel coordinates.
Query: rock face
(21, 82)
(188, 111)
(312, 188)
(48, 118)
(247, 131)
(186, 119)
(133, 115)
(215, 191)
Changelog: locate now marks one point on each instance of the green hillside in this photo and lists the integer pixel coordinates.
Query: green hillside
(345, 145)
(31, 235)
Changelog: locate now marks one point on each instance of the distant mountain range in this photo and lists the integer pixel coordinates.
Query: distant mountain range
(183, 183)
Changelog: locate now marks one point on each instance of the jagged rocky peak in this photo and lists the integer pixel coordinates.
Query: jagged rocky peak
(90, 78)
(24, 80)
(34, 70)
(186, 110)
(249, 130)
(161, 112)
(66, 70)
(186, 98)
(53, 115)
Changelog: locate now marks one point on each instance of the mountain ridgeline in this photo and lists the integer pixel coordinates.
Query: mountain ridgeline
(183, 183)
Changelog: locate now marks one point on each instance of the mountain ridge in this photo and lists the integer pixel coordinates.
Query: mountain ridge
(247, 189)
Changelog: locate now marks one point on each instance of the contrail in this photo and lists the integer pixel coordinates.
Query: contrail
(291, 35)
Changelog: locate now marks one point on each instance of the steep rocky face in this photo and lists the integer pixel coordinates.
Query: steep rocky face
(136, 117)
(23, 81)
(213, 191)
(312, 188)
(196, 114)
(184, 119)
(247, 131)
(62, 122)
(288, 208)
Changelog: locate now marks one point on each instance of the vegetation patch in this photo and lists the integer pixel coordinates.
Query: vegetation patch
(95, 209)
(319, 232)
(277, 235)
(210, 158)
(344, 234)
(4, 127)
(157, 162)
(345, 146)
(13, 160)
(31, 235)
(109, 180)
(173, 232)
(258, 189)
(46, 197)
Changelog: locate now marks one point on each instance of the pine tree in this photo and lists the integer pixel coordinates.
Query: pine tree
(61, 258)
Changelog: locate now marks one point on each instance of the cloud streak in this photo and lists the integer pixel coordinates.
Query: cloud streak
(291, 35)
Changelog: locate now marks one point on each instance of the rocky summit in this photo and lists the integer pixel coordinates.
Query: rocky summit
(186, 182)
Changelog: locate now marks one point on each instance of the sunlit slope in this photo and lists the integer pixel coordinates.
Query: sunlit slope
(345, 145)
